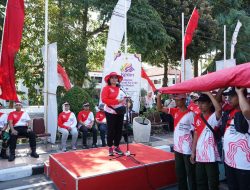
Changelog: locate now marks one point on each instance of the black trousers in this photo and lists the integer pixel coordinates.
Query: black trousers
(85, 130)
(22, 131)
(237, 179)
(115, 124)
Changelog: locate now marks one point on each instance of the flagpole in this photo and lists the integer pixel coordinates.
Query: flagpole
(125, 33)
(225, 43)
(46, 66)
(3, 31)
(183, 58)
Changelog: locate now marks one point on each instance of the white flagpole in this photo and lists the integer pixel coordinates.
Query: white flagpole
(125, 33)
(183, 58)
(225, 43)
(234, 38)
(46, 66)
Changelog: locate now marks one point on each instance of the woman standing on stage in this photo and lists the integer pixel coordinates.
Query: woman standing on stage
(114, 98)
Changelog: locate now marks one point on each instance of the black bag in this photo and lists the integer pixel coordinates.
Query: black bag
(120, 110)
(217, 136)
(240, 122)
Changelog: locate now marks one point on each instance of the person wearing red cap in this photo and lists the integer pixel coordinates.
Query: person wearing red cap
(3, 133)
(67, 124)
(114, 98)
(19, 122)
(183, 139)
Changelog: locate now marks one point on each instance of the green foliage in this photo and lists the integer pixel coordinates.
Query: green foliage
(76, 96)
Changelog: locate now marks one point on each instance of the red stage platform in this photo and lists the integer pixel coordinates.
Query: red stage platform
(92, 170)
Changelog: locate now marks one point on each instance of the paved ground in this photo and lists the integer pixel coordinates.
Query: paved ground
(40, 182)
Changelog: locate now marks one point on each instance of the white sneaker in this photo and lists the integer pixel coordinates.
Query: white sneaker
(64, 149)
(74, 147)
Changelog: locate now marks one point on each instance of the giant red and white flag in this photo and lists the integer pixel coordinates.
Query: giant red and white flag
(63, 79)
(234, 76)
(145, 76)
(191, 27)
(12, 35)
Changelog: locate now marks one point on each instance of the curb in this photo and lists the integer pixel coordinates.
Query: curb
(21, 172)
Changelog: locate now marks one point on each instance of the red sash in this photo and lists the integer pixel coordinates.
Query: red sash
(84, 116)
(16, 116)
(178, 116)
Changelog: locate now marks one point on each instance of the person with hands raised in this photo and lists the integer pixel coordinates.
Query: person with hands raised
(183, 129)
(204, 149)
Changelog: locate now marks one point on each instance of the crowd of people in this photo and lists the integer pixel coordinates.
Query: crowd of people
(199, 130)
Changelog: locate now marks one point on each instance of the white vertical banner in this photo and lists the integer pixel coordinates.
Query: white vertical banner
(52, 87)
(130, 68)
(225, 64)
(186, 70)
(234, 38)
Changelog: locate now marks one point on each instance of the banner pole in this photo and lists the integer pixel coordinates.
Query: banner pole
(183, 58)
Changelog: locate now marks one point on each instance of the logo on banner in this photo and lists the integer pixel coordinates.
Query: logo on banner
(127, 67)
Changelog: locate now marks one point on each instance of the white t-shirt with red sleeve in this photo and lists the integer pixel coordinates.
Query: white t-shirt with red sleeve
(19, 118)
(110, 96)
(206, 148)
(3, 120)
(236, 145)
(66, 120)
(87, 117)
(183, 125)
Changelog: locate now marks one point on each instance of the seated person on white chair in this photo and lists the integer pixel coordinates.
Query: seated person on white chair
(67, 124)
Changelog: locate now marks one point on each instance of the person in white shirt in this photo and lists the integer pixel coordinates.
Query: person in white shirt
(3, 133)
(20, 124)
(204, 149)
(67, 124)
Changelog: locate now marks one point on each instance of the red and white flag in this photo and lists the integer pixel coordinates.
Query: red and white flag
(12, 35)
(191, 27)
(63, 79)
(145, 76)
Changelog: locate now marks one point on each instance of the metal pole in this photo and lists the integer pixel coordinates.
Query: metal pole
(46, 67)
(225, 44)
(125, 33)
(183, 58)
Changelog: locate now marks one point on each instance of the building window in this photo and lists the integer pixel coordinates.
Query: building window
(157, 81)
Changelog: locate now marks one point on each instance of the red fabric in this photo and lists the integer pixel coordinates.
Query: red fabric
(64, 75)
(12, 36)
(194, 108)
(15, 116)
(145, 76)
(100, 116)
(83, 116)
(199, 124)
(234, 76)
(109, 95)
(191, 27)
(63, 117)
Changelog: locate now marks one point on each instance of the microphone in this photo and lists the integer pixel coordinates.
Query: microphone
(118, 84)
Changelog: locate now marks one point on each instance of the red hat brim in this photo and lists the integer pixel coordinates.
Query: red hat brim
(120, 78)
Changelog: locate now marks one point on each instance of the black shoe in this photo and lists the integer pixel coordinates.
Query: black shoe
(11, 157)
(94, 146)
(85, 147)
(117, 150)
(4, 156)
(34, 155)
(103, 145)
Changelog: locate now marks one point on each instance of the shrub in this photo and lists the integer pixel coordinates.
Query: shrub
(76, 96)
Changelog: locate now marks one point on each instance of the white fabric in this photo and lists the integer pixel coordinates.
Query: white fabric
(52, 114)
(169, 103)
(23, 121)
(182, 134)
(65, 134)
(186, 70)
(234, 38)
(237, 148)
(206, 149)
(225, 64)
(90, 119)
(3, 120)
(72, 122)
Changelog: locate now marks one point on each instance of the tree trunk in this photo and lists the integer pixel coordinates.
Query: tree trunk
(165, 76)
(196, 62)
